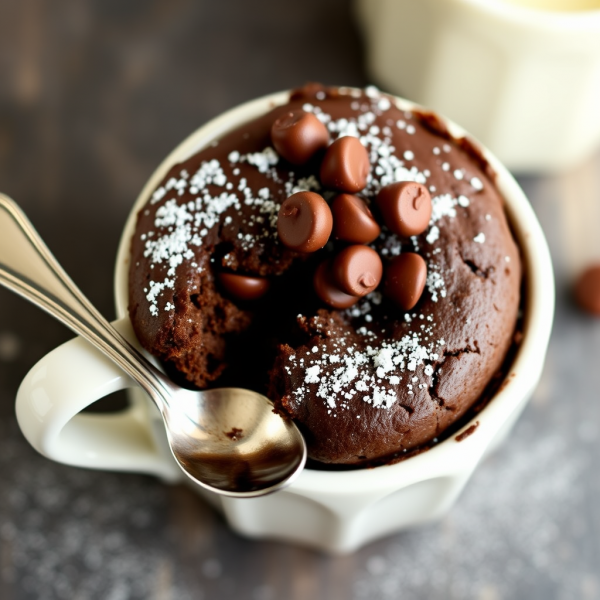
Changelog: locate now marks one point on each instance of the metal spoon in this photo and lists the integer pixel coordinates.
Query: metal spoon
(226, 440)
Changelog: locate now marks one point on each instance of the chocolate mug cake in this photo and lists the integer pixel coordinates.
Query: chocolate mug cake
(347, 258)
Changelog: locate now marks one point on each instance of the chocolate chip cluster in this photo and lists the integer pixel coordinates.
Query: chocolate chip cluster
(306, 222)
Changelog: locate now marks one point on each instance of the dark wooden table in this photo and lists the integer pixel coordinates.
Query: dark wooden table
(93, 94)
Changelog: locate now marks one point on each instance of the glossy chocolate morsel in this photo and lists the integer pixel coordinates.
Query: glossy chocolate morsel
(297, 135)
(405, 207)
(587, 290)
(304, 222)
(404, 279)
(345, 166)
(328, 291)
(243, 287)
(352, 220)
(357, 270)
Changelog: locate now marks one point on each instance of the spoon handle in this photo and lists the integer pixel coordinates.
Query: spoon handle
(28, 268)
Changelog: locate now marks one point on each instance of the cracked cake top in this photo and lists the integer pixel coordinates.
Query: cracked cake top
(364, 383)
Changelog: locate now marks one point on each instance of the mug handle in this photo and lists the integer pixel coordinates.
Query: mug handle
(60, 386)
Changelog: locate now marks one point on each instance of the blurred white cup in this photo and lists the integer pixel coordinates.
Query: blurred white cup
(522, 76)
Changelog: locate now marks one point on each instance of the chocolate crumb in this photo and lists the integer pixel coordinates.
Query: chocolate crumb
(467, 432)
(235, 434)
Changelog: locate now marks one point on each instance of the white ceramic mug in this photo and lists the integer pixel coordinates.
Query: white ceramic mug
(525, 81)
(333, 511)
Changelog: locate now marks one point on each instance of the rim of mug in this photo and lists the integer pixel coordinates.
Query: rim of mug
(539, 18)
(448, 456)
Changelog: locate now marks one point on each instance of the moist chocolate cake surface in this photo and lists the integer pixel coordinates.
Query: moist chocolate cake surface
(363, 383)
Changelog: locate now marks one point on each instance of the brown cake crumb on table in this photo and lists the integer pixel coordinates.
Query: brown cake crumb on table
(364, 384)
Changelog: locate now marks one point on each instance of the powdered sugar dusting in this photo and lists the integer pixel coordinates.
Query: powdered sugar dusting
(442, 206)
(180, 227)
(369, 370)
(435, 282)
(433, 235)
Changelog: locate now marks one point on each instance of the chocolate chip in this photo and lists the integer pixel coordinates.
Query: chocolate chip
(404, 279)
(405, 207)
(327, 290)
(304, 222)
(345, 166)
(587, 290)
(352, 220)
(357, 270)
(297, 135)
(243, 287)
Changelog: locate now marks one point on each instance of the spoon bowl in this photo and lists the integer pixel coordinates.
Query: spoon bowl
(229, 440)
